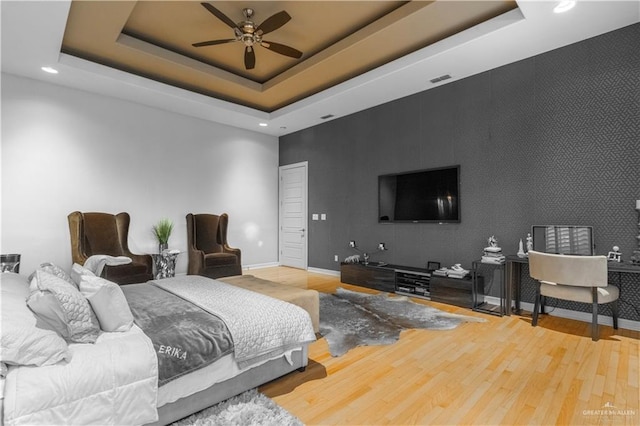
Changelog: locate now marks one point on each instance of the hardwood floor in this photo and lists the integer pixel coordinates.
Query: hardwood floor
(502, 372)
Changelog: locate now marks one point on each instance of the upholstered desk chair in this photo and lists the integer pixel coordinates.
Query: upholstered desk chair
(107, 234)
(209, 252)
(576, 278)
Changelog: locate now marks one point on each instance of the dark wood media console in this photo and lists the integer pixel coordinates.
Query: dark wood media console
(370, 276)
(409, 281)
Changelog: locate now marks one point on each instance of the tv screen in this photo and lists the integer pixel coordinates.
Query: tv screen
(563, 239)
(420, 196)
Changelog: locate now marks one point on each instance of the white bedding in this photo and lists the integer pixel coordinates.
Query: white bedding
(113, 381)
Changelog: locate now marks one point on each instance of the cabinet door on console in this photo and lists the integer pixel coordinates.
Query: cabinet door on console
(377, 278)
(454, 291)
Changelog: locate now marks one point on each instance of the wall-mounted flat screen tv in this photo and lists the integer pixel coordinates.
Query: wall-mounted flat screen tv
(420, 196)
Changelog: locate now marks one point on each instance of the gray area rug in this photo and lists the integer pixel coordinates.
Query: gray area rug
(349, 319)
(249, 408)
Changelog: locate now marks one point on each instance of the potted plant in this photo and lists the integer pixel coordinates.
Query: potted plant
(162, 231)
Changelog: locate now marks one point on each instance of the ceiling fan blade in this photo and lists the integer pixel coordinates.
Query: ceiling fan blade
(213, 42)
(273, 23)
(221, 16)
(281, 49)
(249, 58)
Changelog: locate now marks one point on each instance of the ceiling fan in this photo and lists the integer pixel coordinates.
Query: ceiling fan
(251, 34)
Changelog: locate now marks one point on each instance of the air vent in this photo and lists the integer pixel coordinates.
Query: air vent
(441, 78)
(324, 117)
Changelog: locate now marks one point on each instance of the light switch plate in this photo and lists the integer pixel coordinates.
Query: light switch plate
(314, 216)
(323, 216)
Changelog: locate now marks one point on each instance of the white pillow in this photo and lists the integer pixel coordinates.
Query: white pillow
(61, 307)
(53, 269)
(22, 342)
(108, 302)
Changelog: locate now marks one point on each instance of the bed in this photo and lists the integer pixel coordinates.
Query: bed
(118, 379)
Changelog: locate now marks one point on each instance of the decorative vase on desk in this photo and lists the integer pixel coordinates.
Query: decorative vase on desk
(521, 252)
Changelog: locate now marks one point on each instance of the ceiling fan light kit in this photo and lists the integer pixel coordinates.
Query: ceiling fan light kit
(251, 34)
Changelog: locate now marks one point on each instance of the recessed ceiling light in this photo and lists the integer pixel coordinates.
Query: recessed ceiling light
(49, 70)
(263, 124)
(564, 6)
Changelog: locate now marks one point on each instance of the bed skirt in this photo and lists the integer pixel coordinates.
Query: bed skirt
(249, 379)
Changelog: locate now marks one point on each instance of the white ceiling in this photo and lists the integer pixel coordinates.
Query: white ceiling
(32, 33)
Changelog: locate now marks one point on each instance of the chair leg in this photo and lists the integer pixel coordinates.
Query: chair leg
(594, 320)
(614, 311)
(536, 307)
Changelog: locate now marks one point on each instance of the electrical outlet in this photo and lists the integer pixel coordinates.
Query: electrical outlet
(335, 258)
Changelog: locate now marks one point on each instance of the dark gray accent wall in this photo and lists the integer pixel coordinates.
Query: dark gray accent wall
(553, 139)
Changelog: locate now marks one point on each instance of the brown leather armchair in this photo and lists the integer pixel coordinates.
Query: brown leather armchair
(104, 233)
(209, 252)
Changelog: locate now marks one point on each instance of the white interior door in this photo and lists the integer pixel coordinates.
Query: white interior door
(293, 215)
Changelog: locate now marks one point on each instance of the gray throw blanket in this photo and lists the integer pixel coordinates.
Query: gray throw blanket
(184, 336)
(261, 327)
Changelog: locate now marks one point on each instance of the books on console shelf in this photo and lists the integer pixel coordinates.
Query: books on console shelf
(493, 259)
(492, 250)
(442, 272)
(454, 274)
(451, 273)
(492, 254)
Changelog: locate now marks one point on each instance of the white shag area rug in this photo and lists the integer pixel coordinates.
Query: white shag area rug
(249, 408)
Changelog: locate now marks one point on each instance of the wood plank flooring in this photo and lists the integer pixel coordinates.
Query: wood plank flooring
(502, 372)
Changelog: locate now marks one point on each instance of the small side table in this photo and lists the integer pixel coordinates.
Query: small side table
(165, 264)
(10, 263)
(479, 303)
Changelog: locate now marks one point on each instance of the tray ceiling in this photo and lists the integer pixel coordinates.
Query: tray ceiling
(339, 40)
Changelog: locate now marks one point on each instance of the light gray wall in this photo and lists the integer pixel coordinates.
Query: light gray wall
(65, 150)
(554, 139)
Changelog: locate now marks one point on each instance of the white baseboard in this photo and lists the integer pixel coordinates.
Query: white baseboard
(260, 265)
(275, 264)
(575, 315)
(324, 271)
